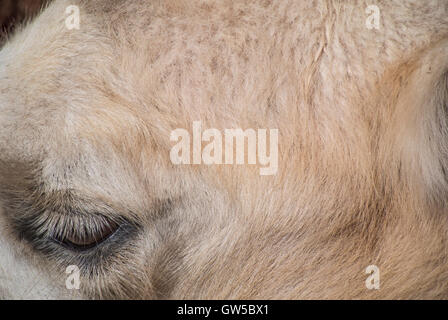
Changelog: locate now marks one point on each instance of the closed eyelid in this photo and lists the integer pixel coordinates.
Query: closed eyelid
(42, 238)
(87, 240)
(66, 219)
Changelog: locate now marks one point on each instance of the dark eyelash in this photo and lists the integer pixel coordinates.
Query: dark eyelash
(80, 248)
(89, 260)
(80, 225)
(46, 233)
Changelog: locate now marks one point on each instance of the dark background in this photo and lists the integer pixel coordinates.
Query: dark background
(14, 12)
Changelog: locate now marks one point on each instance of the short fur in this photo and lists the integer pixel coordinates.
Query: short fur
(85, 121)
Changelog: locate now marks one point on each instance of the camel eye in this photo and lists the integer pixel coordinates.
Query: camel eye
(86, 238)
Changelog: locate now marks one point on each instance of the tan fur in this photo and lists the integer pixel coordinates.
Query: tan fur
(362, 118)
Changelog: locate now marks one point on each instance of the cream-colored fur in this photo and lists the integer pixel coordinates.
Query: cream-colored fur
(86, 116)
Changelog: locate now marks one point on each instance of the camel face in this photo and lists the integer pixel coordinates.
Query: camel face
(118, 178)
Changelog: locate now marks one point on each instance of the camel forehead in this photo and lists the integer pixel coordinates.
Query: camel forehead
(120, 38)
(131, 59)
